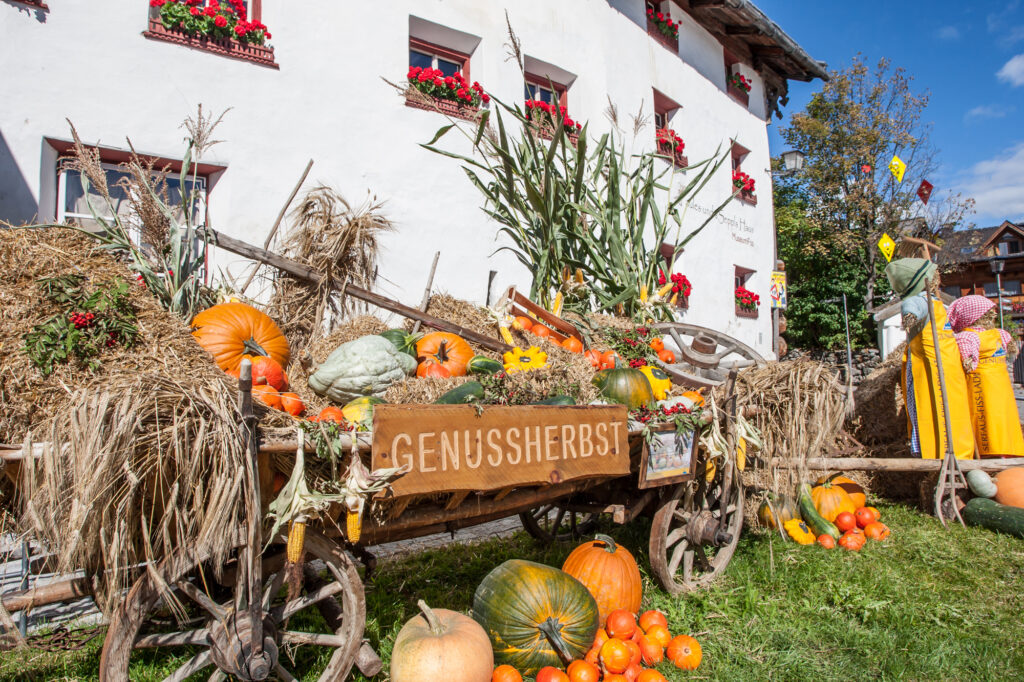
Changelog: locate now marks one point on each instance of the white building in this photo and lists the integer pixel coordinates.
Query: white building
(319, 93)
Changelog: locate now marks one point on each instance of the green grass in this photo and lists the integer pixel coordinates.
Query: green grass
(928, 604)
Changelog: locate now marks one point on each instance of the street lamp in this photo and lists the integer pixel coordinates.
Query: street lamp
(792, 161)
(997, 266)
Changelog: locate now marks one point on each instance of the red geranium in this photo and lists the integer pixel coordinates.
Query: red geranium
(742, 181)
(740, 82)
(454, 87)
(664, 23)
(747, 299)
(680, 284)
(668, 140)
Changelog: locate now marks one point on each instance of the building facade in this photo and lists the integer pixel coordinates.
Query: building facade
(319, 90)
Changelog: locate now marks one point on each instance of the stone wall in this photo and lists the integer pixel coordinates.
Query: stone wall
(864, 361)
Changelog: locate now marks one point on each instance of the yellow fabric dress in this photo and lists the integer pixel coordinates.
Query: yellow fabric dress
(920, 381)
(993, 407)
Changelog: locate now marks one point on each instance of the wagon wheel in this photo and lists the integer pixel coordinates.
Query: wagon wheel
(696, 529)
(287, 624)
(704, 356)
(554, 523)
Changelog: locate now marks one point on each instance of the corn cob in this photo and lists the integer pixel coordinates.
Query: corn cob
(556, 307)
(353, 525)
(296, 541)
(506, 335)
(665, 289)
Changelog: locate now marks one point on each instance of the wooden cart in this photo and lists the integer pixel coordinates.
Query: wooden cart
(241, 619)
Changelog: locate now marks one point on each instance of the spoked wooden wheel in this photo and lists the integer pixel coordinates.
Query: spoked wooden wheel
(704, 356)
(555, 523)
(696, 529)
(213, 633)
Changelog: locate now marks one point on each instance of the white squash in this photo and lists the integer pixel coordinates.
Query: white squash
(364, 367)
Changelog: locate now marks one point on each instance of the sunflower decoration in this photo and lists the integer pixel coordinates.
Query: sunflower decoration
(519, 360)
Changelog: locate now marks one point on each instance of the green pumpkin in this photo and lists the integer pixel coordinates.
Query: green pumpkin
(625, 386)
(782, 509)
(481, 364)
(403, 340)
(360, 411)
(366, 366)
(535, 615)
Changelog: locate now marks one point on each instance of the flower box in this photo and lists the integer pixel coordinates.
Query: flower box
(225, 47)
(738, 93)
(671, 145)
(39, 4)
(417, 100)
(746, 312)
(542, 116)
(660, 38)
(548, 133)
(747, 197)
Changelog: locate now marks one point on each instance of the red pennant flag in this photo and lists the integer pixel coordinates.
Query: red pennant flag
(865, 168)
(925, 191)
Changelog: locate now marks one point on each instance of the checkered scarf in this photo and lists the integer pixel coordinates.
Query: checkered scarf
(963, 312)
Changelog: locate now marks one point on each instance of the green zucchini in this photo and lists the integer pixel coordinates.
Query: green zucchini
(460, 395)
(403, 340)
(817, 523)
(481, 364)
(981, 511)
(556, 400)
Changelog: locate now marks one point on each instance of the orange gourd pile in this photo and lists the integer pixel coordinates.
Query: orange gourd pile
(625, 649)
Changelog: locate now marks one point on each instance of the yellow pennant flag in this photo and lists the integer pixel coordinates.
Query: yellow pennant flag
(897, 168)
(887, 246)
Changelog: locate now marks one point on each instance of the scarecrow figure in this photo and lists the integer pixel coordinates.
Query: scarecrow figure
(983, 349)
(920, 377)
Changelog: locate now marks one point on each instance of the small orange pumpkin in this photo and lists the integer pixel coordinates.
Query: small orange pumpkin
(830, 500)
(594, 356)
(540, 330)
(660, 634)
(635, 656)
(268, 395)
(695, 397)
(331, 414)
(632, 672)
(448, 350)
(652, 617)
(657, 344)
(650, 676)
(610, 573)
(621, 624)
(582, 671)
(432, 369)
(608, 359)
(593, 656)
(852, 541)
(573, 344)
(524, 323)
(876, 531)
(667, 356)
(845, 521)
(292, 404)
(615, 656)
(651, 652)
(685, 652)
(506, 673)
(864, 517)
(266, 370)
(827, 541)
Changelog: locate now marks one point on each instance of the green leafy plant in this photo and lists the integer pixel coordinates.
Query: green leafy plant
(89, 323)
(632, 345)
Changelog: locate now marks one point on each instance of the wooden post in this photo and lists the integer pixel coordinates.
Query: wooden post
(426, 292)
(250, 583)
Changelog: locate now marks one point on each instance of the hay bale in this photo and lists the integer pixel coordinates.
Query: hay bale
(462, 313)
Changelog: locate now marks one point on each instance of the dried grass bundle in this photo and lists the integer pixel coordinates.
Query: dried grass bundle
(337, 239)
(135, 470)
(462, 313)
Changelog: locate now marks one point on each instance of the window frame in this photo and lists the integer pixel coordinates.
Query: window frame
(560, 89)
(742, 275)
(440, 52)
(731, 61)
(739, 154)
(667, 108)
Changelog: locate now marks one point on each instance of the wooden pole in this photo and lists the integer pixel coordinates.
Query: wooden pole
(277, 223)
(308, 274)
(426, 291)
(893, 464)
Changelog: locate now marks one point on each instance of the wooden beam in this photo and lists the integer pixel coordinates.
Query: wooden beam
(893, 464)
(732, 30)
(700, 4)
(51, 593)
(308, 274)
(767, 51)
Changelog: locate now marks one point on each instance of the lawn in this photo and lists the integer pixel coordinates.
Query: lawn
(928, 603)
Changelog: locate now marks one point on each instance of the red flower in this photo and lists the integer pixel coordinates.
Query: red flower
(196, 11)
(485, 97)
(221, 21)
(240, 29)
(210, 11)
(266, 34)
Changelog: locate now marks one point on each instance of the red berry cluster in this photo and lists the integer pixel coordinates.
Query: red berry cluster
(645, 415)
(746, 298)
(636, 363)
(667, 138)
(455, 87)
(82, 320)
(111, 339)
(535, 105)
(742, 181)
(680, 285)
(664, 23)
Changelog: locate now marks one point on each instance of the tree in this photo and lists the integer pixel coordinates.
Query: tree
(849, 132)
(831, 215)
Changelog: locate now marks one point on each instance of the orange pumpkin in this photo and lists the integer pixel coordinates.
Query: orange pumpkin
(231, 330)
(852, 541)
(621, 624)
(874, 512)
(600, 637)
(331, 414)
(649, 618)
(506, 673)
(632, 672)
(827, 541)
(614, 656)
(864, 517)
(439, 641)
(616, 677)
(581, 671)
(852, 488)
(593, 656)
(608, 359)
(651, 652)
(573, 344)
(830, 500)
(667, 356)
(660, 634)
(685, 652)
(650, 676)
(876, 531)
(595, 358)
(432, 369)
(292, 404)
(610, 573)
(540, 330)
(1010, 487)
(845, 521)
(657, 344)
(695, 397)
(268, 395)
(634, 651)
(266, 370)
(448, 350)
(549, 674)
(523, 323)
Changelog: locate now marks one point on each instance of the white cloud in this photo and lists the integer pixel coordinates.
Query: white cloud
(948, 33)
(1013, 71)
(987, 111)
(997, 184)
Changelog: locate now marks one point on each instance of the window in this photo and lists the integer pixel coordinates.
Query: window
(991, 290)
(542, 90)
(734, 78)
(953, 291)
(741, 278)
(1008, 246)
(665, 31)
(740, 178)
(743, 275)
(428, 56)
(668, 140)
(1011, 287)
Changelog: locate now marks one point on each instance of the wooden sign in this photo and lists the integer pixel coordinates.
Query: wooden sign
(452, 447)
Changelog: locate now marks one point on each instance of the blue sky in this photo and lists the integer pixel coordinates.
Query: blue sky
(968, 55)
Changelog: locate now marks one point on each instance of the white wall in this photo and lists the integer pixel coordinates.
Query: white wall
(328, 101)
